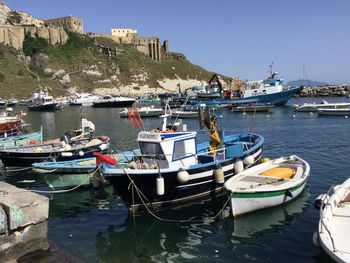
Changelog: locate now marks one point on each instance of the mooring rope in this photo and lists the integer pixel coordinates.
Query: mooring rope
(140, 195)
(67, 190)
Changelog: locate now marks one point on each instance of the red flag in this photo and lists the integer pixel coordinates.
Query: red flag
(134, 118)
(100, 158)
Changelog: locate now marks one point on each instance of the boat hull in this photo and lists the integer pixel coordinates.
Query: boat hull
(56, 181)
(278, 99)
(117, 104)
(143, 114)
(23, 139)
(46, 107)
(201, 184)
(243, 203)
(26, 159)
(335, 112)
(7, 126)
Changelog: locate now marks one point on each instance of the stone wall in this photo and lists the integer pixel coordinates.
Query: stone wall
(13, 36)
(150, 46)
(70, 23)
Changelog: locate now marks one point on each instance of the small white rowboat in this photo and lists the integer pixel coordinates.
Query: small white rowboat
(268, 184)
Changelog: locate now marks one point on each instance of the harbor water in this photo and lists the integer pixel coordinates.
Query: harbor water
(95, 226)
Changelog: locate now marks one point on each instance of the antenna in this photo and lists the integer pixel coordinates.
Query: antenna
(304, 73)
(270, 68)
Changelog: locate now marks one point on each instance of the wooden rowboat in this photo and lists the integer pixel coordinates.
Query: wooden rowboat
(268, 184)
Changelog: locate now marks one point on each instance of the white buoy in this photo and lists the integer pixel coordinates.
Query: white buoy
(160, 185)
(182, 176)
(249, 160)
(103, 147)
(67, 154)
(293, 115)
(81, 153)
(219, 174)
(346, 116)
(311, 113)
(239, 167)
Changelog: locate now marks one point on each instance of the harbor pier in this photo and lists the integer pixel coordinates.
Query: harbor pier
(23, 223)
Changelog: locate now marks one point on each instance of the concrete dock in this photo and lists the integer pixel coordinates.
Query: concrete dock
(23, 222)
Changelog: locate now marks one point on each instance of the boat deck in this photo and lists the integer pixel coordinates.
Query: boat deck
(341, 218)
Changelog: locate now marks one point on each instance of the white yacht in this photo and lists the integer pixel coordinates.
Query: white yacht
(84, 99)
(310, 107)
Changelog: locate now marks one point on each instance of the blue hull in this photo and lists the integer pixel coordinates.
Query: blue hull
(279, 98)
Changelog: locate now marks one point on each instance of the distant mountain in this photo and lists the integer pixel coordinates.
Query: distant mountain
(306, 82)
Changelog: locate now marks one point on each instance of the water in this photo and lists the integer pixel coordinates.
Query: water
(95, 226)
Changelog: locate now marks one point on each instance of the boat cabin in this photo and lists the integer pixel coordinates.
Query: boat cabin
(168, 149)
(263, 87)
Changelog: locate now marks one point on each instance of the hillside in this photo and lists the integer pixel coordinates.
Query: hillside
(94, 65)
(306, 83)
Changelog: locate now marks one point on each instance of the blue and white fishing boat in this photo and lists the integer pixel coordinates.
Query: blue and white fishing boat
(268, 91)
(173, 168)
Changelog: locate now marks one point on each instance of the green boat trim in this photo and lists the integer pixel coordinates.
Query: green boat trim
(266, 194)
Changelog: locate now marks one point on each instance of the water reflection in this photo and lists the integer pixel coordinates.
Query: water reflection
(270, 220)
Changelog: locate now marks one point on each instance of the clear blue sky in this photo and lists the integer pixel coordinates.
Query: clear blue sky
(232, 37)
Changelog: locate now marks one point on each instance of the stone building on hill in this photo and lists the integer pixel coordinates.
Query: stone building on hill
(71, 23)
(148, 45)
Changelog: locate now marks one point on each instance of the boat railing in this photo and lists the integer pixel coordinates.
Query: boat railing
(323, 223)
(213, 152)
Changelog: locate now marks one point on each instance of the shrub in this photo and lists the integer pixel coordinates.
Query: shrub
(34, 45)
(14, 18)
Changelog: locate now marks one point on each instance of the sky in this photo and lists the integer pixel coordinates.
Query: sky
(236, 38)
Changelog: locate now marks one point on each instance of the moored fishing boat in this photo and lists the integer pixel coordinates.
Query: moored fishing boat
(21, 139)
(252, 108)
(333, 228)
(79, 166)
(182, 114)
(172, 168)
(270, 90)
(65, 149)
(268, 184)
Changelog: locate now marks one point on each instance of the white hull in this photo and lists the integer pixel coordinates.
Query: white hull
(241, 206)
(312, 107)
(333, 227)
(268, 184)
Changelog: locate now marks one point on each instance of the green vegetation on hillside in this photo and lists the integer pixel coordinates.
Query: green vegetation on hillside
(89, 66)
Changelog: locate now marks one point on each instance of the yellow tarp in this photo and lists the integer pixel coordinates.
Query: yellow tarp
(280, 172)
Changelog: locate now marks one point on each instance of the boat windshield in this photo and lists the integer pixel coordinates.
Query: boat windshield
(152, 150)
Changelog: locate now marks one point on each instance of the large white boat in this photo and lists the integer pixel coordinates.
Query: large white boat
(310, 107)
(84, 99)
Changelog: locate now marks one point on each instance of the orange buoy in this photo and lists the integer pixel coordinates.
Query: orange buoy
(31, 142)
(104, 138)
